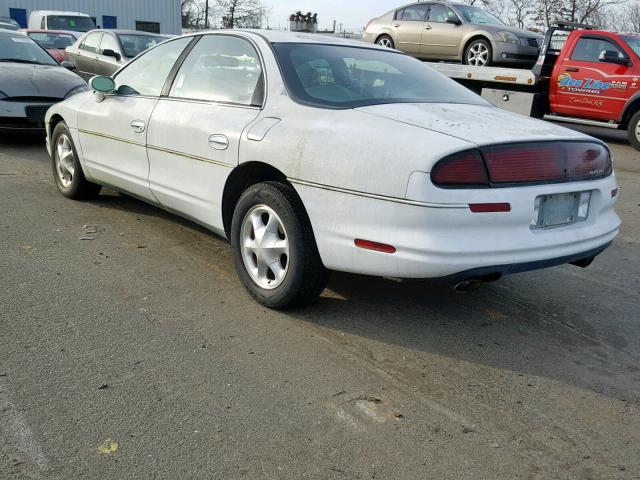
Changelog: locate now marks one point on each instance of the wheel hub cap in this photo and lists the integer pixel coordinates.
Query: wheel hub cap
(64, 160)
(385, 42)
(265, 247)
(478, 55)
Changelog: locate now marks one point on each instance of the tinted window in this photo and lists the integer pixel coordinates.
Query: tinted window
(70, 22)
(146, 74)
(220, 68)
(21, 49)
(109, 43)
(440, 13)
(92, 42)
(53, 40)
(415, 13)
(347, 77)
(133, 45)
(592, 49)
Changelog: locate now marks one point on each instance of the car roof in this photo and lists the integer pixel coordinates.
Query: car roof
(13, 33)
(120, 31)
(60, 12)
(41, 30)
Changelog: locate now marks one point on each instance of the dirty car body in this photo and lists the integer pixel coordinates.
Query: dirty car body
(400, 171)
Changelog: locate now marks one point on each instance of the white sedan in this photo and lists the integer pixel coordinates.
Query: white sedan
(311, 153)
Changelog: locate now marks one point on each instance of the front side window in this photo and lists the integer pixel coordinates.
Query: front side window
(415, 13)
(220, 68)
(134, 44)
(440, 13)
(147, 74)
(346, 77)
(109, 43)
(593, 49)
(70, 22)
(21, 49)
(478, 16)
(91, 44)
(633, 41)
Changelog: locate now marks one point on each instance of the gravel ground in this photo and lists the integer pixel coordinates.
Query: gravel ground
(137, 354)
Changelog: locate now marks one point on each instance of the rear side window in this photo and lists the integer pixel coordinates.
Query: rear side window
(147, 74)
(593, 49)
(220, 68)
(415, 13)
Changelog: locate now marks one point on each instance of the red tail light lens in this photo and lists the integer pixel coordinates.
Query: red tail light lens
(531, 163)
(464, 169)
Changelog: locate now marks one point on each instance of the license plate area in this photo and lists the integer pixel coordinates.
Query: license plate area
(560, 209)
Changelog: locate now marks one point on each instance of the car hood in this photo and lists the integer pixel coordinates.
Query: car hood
(28, 80)
(520, 32)
(478, 124)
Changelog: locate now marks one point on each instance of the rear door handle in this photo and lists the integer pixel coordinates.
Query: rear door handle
(138, 126)
(218, 142)
(572, 69)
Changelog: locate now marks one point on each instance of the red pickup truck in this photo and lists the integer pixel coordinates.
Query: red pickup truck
(583, 76)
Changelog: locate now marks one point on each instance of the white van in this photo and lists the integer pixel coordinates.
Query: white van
(53, 20)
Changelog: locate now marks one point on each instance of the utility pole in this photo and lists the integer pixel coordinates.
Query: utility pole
(206, 15)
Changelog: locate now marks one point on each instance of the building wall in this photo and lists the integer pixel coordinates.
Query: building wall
(165, 12)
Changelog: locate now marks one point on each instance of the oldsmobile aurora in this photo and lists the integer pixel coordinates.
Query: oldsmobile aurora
(312, 154)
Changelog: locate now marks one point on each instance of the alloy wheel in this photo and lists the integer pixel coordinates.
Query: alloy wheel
(385, 42)
(478, 55)
(265, 247)
(64, 160)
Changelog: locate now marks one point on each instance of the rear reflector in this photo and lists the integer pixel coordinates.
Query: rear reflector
(527, 163)
(378, 247)
(489, 207)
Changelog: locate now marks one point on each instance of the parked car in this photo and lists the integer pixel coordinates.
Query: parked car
(453, 31)
(54, 41)
(57, 20)
(8, 23)
(30, 82)
(315, 153)
(103, 52)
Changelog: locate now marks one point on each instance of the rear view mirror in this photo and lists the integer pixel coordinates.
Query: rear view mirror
(454, 20)
(68, 65)
(610, 56)
(102, 84)
(111, 53)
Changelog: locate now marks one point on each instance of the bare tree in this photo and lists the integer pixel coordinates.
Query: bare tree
(519, 12)
(241, 13)
(192, 13)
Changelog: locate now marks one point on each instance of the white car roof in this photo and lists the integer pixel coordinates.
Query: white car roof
(60, 12)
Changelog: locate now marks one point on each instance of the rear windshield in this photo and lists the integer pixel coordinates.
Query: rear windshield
(133, 45)
(53, 40)
(70, 22)
(337, 76)
(21, 49)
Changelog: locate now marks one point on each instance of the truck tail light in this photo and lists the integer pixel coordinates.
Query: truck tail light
(464, 169)
(527, 163)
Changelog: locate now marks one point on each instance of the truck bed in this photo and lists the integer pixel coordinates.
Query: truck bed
(511, 76)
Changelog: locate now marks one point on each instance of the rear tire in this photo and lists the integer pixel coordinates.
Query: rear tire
(633, 131)
(385, 41)
(274, 248)
(67, 171)
(478, 53)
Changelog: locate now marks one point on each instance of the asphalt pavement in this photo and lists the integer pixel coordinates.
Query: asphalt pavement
(128, 349)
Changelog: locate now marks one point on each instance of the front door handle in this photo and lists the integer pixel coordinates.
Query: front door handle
(218, 142)
(138, 126)
(428, 27)
(396, 25)
(572, 69)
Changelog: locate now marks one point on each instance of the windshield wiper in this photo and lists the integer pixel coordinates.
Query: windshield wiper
(22, 60)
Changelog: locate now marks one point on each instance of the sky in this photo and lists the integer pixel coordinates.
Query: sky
(353, 14)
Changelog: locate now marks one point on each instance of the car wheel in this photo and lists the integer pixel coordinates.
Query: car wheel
(478, 53)
(633, 131)
(385, 41)
(67, 171)
(274, 248)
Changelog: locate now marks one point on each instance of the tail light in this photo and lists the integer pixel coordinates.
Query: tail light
(531, 163)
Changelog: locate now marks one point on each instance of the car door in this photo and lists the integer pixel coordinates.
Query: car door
(441, 39)
(408, 27)
(87, 55)
(113, 132)
(589, 86)
(108, 65)
(194, 133)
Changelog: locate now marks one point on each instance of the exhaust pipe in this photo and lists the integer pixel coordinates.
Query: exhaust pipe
(473, 283)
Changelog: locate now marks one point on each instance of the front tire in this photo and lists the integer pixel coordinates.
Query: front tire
(67, 171)
(385, 41)
(478, 53)
(633, 131)
(274, 248)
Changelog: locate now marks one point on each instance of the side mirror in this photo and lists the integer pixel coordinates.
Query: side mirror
(68, 65)
(610, 56)
(454, 20)
(110, 53)
(102, 84)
